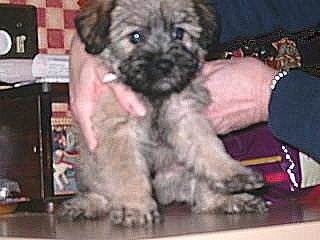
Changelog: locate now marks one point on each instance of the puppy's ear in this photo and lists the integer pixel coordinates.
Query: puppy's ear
(92, 24)
(209, 38)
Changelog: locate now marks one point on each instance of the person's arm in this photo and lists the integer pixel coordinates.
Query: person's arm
(294, 112)
(241, 95)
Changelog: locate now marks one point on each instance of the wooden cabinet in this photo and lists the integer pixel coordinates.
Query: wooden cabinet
(26, 138)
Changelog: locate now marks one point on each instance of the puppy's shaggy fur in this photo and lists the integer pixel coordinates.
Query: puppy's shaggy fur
(172, 154)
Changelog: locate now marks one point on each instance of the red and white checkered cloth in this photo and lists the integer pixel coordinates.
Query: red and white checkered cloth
(55, 23)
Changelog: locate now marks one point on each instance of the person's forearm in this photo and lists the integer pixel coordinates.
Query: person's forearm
(294, 112)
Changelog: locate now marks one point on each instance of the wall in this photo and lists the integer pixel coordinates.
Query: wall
(55, 23)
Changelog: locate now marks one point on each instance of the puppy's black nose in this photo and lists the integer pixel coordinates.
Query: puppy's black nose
(164, 65)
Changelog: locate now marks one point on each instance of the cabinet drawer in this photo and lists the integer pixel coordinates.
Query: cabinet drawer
(19, 115)
(20, 149)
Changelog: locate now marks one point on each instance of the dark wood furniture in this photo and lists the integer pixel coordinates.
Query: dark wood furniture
(26, 141)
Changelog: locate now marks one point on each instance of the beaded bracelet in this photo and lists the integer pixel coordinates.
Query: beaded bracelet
(277, 78)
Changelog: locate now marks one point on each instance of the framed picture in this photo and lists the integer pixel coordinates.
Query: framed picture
(64, 150)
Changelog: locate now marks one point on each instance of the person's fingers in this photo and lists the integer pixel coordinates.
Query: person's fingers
(101, 70)
(218, 124)
(211, 67)
(128, 99)
(109, 77)
(82, 112)
(88, 133)
(214, 66)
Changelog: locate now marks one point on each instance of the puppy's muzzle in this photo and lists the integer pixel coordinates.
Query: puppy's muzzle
(164, 66)
(154, 74)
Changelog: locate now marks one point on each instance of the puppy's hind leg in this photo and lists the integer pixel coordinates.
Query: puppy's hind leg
(179, 185)
(198, 147)
(207, 201)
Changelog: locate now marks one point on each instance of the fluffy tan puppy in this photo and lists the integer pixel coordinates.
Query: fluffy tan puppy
(172, 154)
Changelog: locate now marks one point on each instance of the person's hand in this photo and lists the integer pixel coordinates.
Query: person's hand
(86, 85)
(240, 89)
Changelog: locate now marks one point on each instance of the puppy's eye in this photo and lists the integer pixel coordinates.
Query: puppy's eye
(136, 37)
(178, 33)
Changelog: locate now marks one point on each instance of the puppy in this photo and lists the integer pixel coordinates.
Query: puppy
(172, 154)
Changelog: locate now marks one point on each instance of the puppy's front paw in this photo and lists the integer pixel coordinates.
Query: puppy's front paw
(239, 183)
(244, 203)
(129, 217)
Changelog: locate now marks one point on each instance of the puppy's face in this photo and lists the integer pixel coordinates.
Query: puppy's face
(156, 46)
